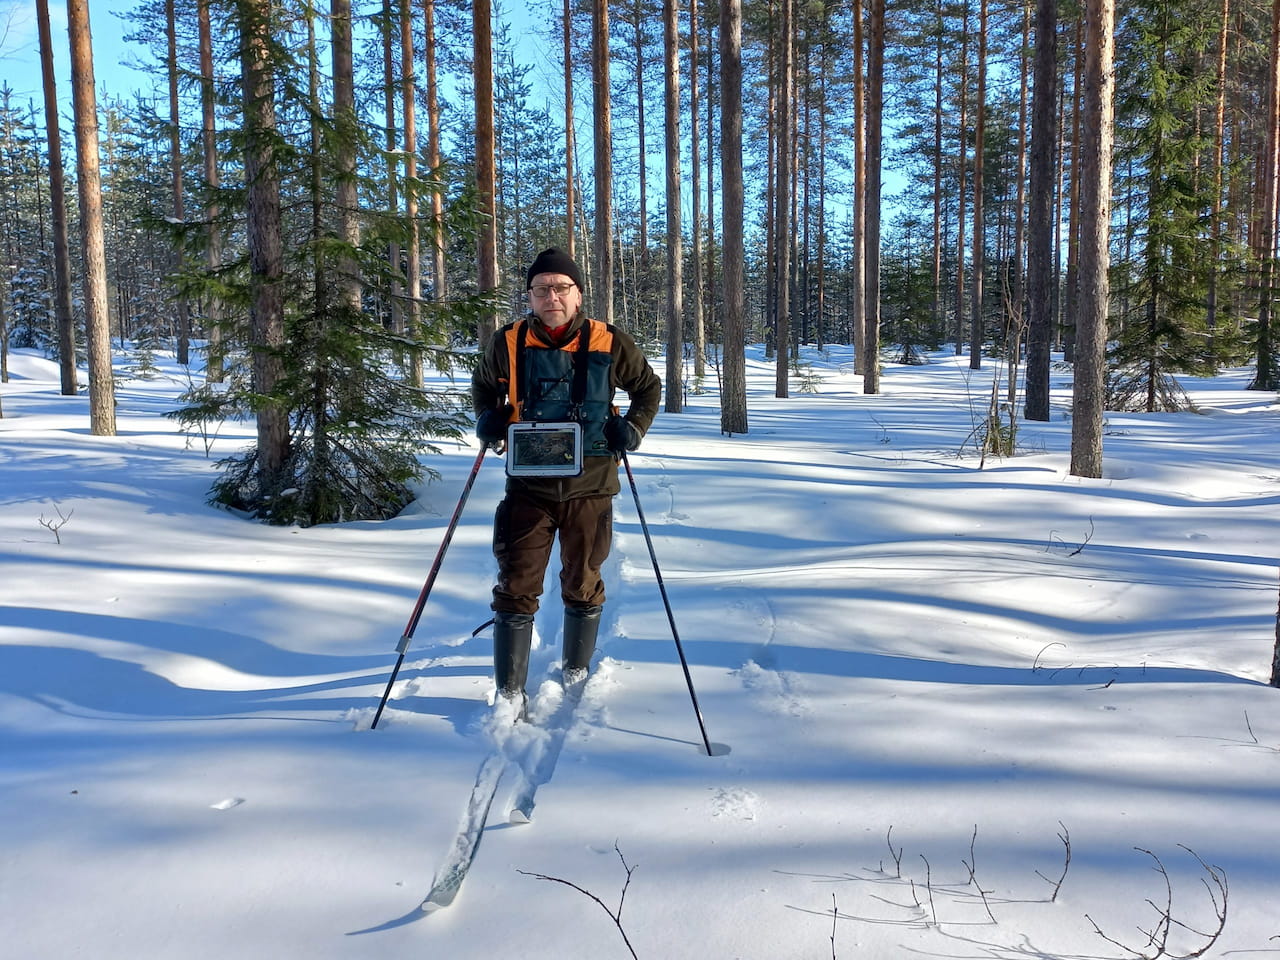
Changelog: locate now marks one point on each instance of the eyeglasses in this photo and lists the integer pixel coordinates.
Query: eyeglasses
(544, 290)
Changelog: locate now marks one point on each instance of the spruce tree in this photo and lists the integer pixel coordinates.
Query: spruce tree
(356, 423)
(1163, 332)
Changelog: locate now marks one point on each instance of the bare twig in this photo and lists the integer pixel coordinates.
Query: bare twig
(971, 865)
(1249, 727)
(1080, 548)
(835, 914)
(1035, 664)
(615, 916)
(55, 525)
(1065, 837)
(896, 854)
(928, 886)
(1158, 936)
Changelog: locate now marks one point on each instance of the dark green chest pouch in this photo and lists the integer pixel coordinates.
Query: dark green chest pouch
(564, 402)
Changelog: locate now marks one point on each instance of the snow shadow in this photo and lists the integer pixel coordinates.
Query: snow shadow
(729, 655)
(150, 670)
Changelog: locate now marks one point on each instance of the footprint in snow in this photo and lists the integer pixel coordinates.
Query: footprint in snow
(775, 691)
(734, 803)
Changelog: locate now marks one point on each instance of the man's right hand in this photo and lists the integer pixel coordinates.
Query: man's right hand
(491, 425)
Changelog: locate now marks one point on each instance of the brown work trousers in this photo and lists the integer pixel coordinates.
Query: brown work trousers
(524, 531)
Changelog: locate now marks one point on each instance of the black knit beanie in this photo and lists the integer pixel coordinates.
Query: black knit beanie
(552, 260)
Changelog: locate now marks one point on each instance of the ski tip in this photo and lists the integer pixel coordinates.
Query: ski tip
(517, 817)
(432, 905)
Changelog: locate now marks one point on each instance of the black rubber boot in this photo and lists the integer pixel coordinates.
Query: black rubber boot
(581, 625)
(512, 636)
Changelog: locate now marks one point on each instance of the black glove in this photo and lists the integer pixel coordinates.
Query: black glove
(491, 425)
(621, 435)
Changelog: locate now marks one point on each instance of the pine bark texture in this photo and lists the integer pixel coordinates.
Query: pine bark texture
(263, 234)
(857, 259)
(570, 148)
(602, 252)
(486, 174)
(674, 242)
(344, 110)
(102, 399)
(1095, 216)
(979, 175)
(733, 392)
(58, 207)
(871, 198)
(1040, 220)
(181, 307)
(782, 202)
(214, 362)
(439, 279)
(1268, 374)
(409, 98)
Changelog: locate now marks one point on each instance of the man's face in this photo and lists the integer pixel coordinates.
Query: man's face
(554, 298)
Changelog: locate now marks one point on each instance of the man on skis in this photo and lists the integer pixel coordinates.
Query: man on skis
(555, 366)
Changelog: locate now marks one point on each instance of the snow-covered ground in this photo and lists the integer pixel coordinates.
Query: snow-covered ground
(934, 689)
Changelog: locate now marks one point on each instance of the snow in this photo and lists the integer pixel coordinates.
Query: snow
(934, 688)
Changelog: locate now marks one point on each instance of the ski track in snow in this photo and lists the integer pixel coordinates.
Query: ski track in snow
(774, 691)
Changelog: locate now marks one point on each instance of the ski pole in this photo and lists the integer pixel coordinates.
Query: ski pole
(412, 625)
(675, 634)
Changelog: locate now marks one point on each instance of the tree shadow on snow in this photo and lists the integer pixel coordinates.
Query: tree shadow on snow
(130, 669)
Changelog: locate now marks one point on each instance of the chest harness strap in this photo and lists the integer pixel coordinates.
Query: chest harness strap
(578, 392)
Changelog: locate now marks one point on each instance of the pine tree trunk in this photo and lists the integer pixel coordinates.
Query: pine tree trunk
(979, 170)
(733, 391)
(346, 194)
(871, 199)
(602, 135)
(1095, 216)
(695, 162)
(1040, 220)
(1018, 296)
(674, 243)
(1268, 373)
(263, 236)
(1071, 281)
(642, 136)
(213, 210)
(102, 399)
(439, 279)
(570, 149)
(413, 253)
(820, 288)
(858, 257)
(486, 173)
(937, 320)
(1215, 215)
(58, 208)
(175, 162)
(391, 139)
(962, 169)
(710, 160)
(782, 198)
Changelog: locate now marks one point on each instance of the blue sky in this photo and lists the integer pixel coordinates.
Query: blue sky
(20, 59)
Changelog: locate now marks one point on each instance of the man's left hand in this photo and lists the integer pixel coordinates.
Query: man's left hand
(621, 435)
